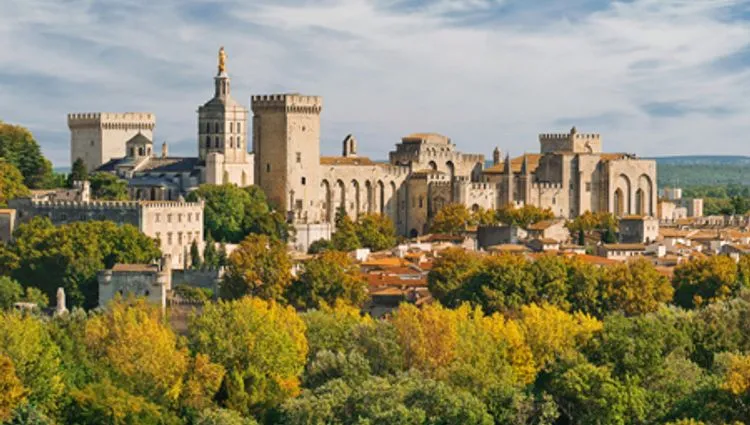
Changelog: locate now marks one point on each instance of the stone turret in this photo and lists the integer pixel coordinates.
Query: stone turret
(60, 308)
(349, 147)
(164, 150)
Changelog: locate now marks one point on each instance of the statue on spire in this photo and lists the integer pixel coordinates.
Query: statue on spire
(222, 60)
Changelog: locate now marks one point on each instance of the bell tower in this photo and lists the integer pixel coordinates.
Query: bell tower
(222, 121)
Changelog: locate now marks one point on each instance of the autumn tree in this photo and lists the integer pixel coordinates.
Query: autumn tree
(523, 216)
(103, 403)
(11, 183)
(330, 277)
(259, 267)
(587, 223)
(10, 292)
(25, 340)
(504, 282)
(12, 392)
(144, 357)
(483, 217)
(332, 327)
(451, 219)
(635, 287)
(345, 237)
(705, 280)
(19, 148)
(262, 346)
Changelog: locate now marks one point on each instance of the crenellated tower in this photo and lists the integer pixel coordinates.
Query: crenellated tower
(286, 144)
(99, 137)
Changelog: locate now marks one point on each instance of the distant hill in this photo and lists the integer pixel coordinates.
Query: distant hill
(702, 170)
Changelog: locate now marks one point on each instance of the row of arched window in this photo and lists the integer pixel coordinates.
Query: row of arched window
(217, 142)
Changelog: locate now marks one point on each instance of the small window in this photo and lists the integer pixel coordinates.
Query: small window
(304, 180)
(588, 187)
(197, 216)
(268, 168)
(179, 238)
(231, 127)
(239, 127)
(157, 218)
(92, 143)
(299, 157)
(158, 236)
(179, 218)
(421, 202)
(189, 217)
(169, 218)
(169, 238)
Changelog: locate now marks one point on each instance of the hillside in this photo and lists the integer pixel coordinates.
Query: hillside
(686, 171)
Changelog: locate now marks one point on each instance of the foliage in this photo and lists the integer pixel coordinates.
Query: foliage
(326, 279)
(192, 293)
(321, 245)
(10, 292)
(18, 147)
(588, 223)
(12, 392)
(105, 404)
(70, 256)
(222, 417)
(27, 343)
(78, 172)
(523, 216)
(11, 183)
(705, 280)
(345, 237)
(375, 231)
(262, 346)
(231, 213)
(259, 267)
(196, 262)
(108, 187)
(451, 219)
(636, 287)
(450, 270)
(407, 399)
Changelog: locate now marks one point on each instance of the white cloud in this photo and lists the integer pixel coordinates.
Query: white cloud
(487, 80)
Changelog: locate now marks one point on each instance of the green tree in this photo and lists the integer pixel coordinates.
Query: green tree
(332, 328)
(523, 216)
(260, 267)
(261, 345)
(11, 183)
(705, 280)
(196, 262)
(451, 270)
(78, 172)
(503, 283)
(321, 245)
(231, 213)
(19, 148)
(10, 292)
(328, 278)
(345, 238)
(70, 256)
(376, 231)
(108, 187)
(222, 417)
(451, 219)
(409, 399)
(103, 403)
(210, 254)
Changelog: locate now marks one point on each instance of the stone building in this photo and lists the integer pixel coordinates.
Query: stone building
(425, 172)
(151, 281)
(175, 224)
(221, 142)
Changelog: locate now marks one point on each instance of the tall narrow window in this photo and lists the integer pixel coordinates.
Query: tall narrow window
(268, 168)
(299, 157)
(231, 127)
(239, 127)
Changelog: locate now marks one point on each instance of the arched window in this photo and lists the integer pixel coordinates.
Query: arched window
(216, 127)
(239, 127)
(231, 127)
(208, 142)
(208, 127)
(231, 142)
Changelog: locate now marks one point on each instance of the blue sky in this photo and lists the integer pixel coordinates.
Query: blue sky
(654, 77)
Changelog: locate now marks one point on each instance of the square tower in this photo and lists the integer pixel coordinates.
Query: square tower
(99, 137)
(286, 144)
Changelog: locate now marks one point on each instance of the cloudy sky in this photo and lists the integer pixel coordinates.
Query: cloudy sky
(655, 77)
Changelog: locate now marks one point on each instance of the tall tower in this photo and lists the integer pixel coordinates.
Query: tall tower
(222, 121)
(286, 144)
(98, 137)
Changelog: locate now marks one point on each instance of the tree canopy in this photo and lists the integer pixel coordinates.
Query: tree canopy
(11, 183)
(260, 267)
(19, 148)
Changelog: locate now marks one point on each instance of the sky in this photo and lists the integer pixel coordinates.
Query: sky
(654, 77)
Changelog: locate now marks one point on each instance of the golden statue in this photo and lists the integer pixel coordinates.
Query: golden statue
(222, 60)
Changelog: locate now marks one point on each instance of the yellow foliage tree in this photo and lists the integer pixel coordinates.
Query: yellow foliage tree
(12, 392)
(262, 346)
(552, 333)
(636, 287)
(451, 219)
(737, 375)
(133, 340)
(428, 336)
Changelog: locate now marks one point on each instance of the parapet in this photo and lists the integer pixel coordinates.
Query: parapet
(572, 142)
(113, 120)
(288, 102)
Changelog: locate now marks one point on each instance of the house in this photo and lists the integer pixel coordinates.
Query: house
(622, 251)
(549, 229)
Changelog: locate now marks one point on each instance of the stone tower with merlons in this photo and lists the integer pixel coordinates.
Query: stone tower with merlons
(286, 144)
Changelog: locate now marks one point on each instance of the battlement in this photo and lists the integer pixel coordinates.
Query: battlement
(171, 204)
(547, 186)
(572, 142)
(91, 205)
(482, 186)
(468, 157)
(113, 120)
(288, 102)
